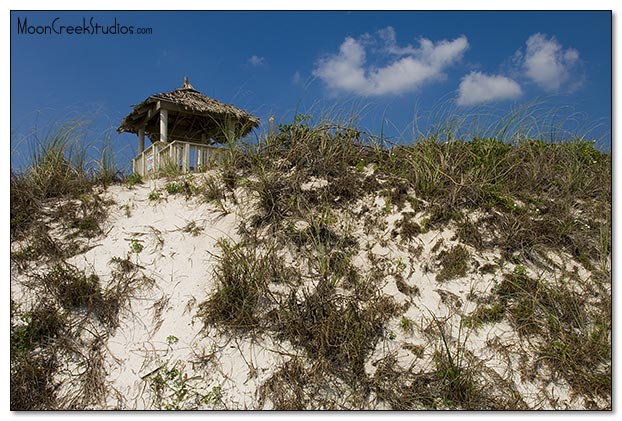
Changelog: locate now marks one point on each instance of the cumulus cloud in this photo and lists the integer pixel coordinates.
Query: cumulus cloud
(479, 88)
(407, 68)
(257, 61)
(389, 39)
(547, 63)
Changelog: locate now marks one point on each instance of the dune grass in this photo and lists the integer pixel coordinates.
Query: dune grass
(56, 203)
(532, 198)
(292, 273)
(59, 169)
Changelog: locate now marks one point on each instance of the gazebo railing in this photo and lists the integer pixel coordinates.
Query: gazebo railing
(175, 157)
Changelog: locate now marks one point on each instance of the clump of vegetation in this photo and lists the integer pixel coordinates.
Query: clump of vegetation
(173, 390)
(485, 314)
(136, 246)
(127, 210)
(242, 277)
(155, 196)
(291, 388)
(33, 328)
(26, 206)
(133, 179)
(274, 193)
(407, 228)
(407, 325)
(32, 368)
(458, 382)
(87, 215)
(185, 187)
(454, 263)
(339, 330)
(73, 288)
(300, 384)
(397, 193)
(58, 170)
(229, 178)
(575, 339)
(327, 251)
(212, 190)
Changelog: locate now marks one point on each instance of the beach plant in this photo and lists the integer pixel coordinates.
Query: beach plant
(127, 210)
(73, 288)
(458, 378)
(212, 192)
(485, 314)
(183, 186)
(407, 325)
(273, 198)
(454, 263)
(407, 227)
(58, 163)
(174, 390)
(33, 358)
(242, 276)
(339, 330)
(106, 170)
(155, 196)
(211, 189)
(58, 169)
(133, 179)
(192, 228)
(135, 246)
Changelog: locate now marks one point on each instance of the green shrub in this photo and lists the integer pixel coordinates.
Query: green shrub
(133, 179)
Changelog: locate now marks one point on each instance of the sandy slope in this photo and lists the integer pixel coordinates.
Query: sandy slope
(160, 332)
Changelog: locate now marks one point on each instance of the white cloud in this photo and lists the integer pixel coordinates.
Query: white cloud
(389, 38)
(257, 61)
(296, 78)
(479, 88)
(547, 63)
(407, 70)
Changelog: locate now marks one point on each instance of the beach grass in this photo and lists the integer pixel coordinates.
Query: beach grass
(321, 204)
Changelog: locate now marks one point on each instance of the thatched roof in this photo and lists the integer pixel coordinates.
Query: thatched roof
(187, 100)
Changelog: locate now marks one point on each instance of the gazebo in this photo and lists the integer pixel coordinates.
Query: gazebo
(183, 125)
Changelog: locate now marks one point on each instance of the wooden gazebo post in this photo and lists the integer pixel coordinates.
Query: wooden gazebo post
(141, 140)
(164, 125)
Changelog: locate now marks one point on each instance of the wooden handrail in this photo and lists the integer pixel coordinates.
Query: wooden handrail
(199, 145)
(169, 151)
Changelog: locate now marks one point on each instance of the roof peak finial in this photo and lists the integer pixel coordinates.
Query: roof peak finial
(187, 84)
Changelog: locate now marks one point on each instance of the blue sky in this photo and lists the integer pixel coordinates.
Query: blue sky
(389, 68)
